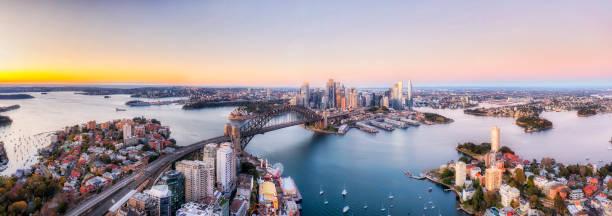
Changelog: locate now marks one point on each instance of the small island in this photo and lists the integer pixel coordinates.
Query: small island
(5, 120)
(15, 96)
(9, 108)
(134, 103)
(533, 123)
(587, 111)
(436, 118)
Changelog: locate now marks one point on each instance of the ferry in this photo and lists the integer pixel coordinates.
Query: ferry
(119, 109)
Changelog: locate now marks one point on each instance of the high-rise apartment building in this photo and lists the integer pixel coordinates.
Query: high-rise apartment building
(199, 179)
(209, 153)
(493, 178)
(176, 184)
(161, 196)
(495, 139)
(460, 173)
(226, 167)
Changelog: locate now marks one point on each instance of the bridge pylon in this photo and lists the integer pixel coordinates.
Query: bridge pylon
(235, 136)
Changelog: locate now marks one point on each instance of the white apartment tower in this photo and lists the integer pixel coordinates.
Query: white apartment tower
(226, 166)
(127, 131)
(495, 139)
(199, 179)
(460, 173)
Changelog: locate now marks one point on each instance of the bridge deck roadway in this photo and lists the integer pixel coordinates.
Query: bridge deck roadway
(98, 204)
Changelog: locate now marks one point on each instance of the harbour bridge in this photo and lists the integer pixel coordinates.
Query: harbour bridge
(277, 118)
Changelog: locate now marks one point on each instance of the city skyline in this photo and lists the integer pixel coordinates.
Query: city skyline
(249, 44)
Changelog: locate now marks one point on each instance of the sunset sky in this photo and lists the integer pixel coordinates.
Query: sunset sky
(284, 43)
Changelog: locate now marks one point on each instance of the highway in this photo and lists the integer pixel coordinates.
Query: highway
(98, 204)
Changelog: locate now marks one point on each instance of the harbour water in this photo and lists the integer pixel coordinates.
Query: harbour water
(369, 165)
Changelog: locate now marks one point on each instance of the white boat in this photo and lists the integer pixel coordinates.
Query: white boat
(344, 192)
(321, 191)
(391, 196)
(325, 202)
(365, 206)
(382, 208)
(345, 209)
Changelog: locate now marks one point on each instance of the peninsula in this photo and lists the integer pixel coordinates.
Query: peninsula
(15, 96)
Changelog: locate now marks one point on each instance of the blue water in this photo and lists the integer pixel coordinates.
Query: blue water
(370, 166)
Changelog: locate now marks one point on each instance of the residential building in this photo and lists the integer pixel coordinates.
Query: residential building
(493, 179)
(199, 179)
(509, 194)
(460, 173)
(495, 139)
(226, 168)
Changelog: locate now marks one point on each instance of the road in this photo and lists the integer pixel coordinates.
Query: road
(99, 204)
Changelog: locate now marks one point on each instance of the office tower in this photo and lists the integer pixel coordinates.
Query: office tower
(269, 93)
(409, 100)
(226, 167)
(199, 179)
(494, 139)
(305, 94)
(397, 98)
(339, 96)
(324, 102)
(209, 153)
(509, 193)
(460, 173)
(493, 178)
(331, 91)
(384, 101)
(161, 196)
(176, 184)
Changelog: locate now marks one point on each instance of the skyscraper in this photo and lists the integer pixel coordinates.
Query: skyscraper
(494, 139)
(331, 93)
(409, 100)
(397, 98)
(176, 184)
(161, 195)
(199, 179)
(493, 178)
(226, 167)
(305, 94)
(460, 173)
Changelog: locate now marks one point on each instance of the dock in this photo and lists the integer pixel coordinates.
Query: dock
(382, 125)
(395, 123)
(367, 128)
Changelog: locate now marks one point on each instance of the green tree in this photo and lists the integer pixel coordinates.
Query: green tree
(519, 177)
(559, 204)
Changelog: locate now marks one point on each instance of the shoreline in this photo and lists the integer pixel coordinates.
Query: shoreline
(448, 187)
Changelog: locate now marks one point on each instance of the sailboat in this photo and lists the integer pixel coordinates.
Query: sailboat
(345, 209)
(365, 206)
(391, 196)
(382, 208)
(321, 191)
(325, 202)
(344, 192)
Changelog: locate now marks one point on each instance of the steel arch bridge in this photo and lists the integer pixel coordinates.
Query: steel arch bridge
(264, 122)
